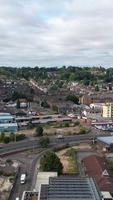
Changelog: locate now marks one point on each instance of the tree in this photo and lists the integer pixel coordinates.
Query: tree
(44, 142)
(55, 108)
(96, 88)
(51, 162)
(18, 104)
(45, 104)
(2, 136)
(30, 125)
(82, 131)
(73, 98)
(39, 131)
(12, 136)
(6, 139)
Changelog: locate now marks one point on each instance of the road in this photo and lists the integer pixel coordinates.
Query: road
(30, 167)
(34, 143)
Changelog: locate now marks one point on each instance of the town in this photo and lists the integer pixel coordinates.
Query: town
(56, 100)
(56, 133)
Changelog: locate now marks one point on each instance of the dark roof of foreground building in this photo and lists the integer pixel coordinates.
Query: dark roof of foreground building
(44, 192)
(71, 188)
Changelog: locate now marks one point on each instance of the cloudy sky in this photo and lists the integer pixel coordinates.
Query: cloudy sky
(56, 32)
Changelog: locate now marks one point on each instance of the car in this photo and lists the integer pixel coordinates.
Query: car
(23, 178)
(60, 136)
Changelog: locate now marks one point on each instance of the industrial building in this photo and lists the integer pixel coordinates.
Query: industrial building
(67, 187)
(7, 123)
(105, 143)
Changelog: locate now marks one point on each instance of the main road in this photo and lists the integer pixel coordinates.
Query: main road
(33, 143)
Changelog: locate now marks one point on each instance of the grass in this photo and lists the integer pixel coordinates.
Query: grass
(69, 161)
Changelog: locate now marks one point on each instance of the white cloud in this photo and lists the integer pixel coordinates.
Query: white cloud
(47, 32)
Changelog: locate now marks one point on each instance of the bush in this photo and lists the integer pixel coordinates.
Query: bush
(39, 131)
(109, 164)
(82, 131)
(6, 139)
(73, 98)
(70, 152)
(30, 125)
(44, 142)
(2, 136)
(77, 123)
(66, 124)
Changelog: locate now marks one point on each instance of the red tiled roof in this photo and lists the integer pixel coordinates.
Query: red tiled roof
(94, 167)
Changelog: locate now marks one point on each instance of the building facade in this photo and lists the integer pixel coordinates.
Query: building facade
(7, 123)
(107, 110)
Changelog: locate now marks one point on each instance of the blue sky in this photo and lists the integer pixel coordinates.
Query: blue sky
(56, 32)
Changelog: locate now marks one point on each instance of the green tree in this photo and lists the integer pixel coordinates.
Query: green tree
(51, 162)
(55, 108)
(66, 124)
(77, 123)
(44, 142)
(6, 139)
(18, 104)
(2, 136)
(39, 131)
(73, 98)
(30, 125)
(96, 88)
(82, 131)
(12, 136)
(45, 104)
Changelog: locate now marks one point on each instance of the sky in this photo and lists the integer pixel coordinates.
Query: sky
(56, 32)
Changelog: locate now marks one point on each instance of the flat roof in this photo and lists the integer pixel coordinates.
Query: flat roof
(6, 125)
(106, 195)
(6, 117)
(106, 139)
(65, 188)
(4, 114)
(43, 178)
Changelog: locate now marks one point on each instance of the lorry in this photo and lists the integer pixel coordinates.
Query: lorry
(23, 178)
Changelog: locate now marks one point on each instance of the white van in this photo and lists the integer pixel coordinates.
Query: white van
(60, 136)
(23, 178)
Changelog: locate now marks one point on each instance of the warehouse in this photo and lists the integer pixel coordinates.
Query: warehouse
(7, 123)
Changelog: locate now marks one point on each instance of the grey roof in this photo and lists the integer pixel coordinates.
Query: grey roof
(44, 192)
(72, 188)
(107, 140)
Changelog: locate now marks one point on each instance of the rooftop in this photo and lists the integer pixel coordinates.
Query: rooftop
(30, 195)
(5, 116)
(72, 188)
(95, 167)
(107, 140)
